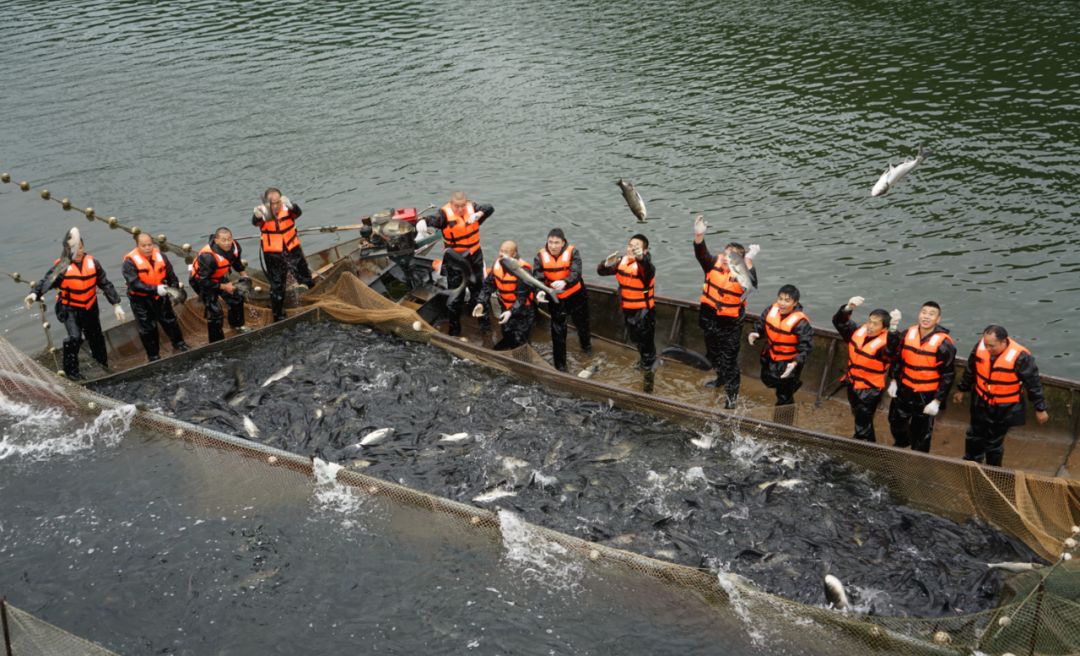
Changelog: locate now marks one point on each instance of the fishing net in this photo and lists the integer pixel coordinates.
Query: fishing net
(33, 636)
(1039, 612)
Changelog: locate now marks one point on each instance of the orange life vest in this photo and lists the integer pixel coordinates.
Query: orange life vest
(223, 264)
(780, 331)
(151, 272)
(78, 288)
(865, 369)
(507, 283)
(995, 378)
(279, 233)
(920, 370)
(722, 291)
(633, 292)
(459, 235)
(558, 268)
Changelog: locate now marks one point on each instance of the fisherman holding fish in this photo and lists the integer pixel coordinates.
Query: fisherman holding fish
(515, 296)
(921, 378)
(729, 278)
(209, 279)
(460, 220)
(276, 219)
(77, 275)
(560, 266)
(636, 275)
(788, 340)
(149, 276)
(872, 347)
(999, 370)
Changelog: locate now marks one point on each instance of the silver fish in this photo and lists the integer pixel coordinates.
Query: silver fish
(589, 371)
(521, 273)
(176, 294)
(510, 463)
(70, 245)
(834, 593)
(786, 484)
(738, 267)
(455, 260)
(455, 437)
(278, 375)
(894, 174)
(492, 495)
(250, 427)
(633, 199)
(376, 436)
(1015, 567)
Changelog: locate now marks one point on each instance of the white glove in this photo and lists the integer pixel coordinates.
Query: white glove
(474, 217)
(752, 337)
(161, 290)
(421, 229)
(752, 253)
(892, 390)
(558, 285)
(612, 260)
(286, 202)
(541, 297)
(894, 320)
(700, 226)
(638, 253)
(119, 313)
(30, 299)
(478, 311)
(261, 212)
(788, 370)
(854, 302)
(504, 317)
(932, 408)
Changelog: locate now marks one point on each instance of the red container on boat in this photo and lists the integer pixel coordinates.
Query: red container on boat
(405, 214)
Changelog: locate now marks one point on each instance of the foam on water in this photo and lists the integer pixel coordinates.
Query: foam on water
(334, 497)
(21, 439)
(537, 558)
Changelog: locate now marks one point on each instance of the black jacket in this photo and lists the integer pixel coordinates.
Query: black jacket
(207, 265)
(846, 327)
(131, 275)
(438, 221)
(103, 282)
(522, 292)
(646, 270)
(1012, 413)
(294, 212)
(575, 269)
(803, 330)
(946, 364)
(707, 260)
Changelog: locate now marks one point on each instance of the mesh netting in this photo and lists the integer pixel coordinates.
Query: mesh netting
(32, 636)
(1039, 612)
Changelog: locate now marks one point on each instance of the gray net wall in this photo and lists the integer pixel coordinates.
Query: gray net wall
(32, 636)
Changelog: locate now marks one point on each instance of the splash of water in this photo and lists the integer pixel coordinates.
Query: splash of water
(24, 438)
(537, 558)
(335, 497)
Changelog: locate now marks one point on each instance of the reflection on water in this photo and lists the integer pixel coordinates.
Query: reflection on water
(773, 119)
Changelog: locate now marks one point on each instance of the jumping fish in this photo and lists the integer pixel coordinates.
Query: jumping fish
(374, 437)
(834, 593)
(278, 375)
(70, 246)
(455, 437)
(513, 267)
(894, 174)
(492, 495)
(250, 427)
(633, 199)
(737, 264)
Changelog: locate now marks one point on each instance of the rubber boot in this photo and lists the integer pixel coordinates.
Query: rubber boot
(71, 359)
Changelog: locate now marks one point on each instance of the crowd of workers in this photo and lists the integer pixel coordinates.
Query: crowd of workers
(915, 367)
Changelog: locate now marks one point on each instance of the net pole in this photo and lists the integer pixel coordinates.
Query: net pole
(3, 619)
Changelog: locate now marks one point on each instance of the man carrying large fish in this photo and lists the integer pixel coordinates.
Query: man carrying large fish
(509, 281)
(460, 221)
(559, 265)
(77, 275)
(636, 275)
(151, 284)
(729, 278)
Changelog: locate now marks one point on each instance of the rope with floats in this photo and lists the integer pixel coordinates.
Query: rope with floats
(17, 277)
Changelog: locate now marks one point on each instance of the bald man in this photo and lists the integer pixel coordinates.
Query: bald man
(460, 221)
(517, 305)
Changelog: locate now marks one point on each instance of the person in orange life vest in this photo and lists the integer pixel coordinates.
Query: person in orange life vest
(871, 350)
(276, 218)
(460, 220)
(79, 278)
(210, 280)
(922, 373)
(636, 276)
(788, 340)
(517, 306)
(999, 370)
(148, 272)
(559, 267)
(722, 308)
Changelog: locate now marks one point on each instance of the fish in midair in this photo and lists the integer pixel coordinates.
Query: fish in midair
(633, 199)
(278, 375)
(894, 174)
(834, 593)
(522, 273)
(70, 246)
(376, 436)
(737, 264)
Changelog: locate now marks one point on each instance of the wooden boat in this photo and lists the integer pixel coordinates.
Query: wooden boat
(1048, 449)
